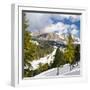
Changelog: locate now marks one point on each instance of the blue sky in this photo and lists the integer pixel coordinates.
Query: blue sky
(45, 23)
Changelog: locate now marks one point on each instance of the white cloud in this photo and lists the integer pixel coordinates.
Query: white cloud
(61, 27)
(65, 16)
(74, 32)
(53, 27)
(43, 22)
(75, 18)
(38, 21)
(73, 26)
(72, 18)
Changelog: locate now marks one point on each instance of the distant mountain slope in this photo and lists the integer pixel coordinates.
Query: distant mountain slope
(55, 36)
(50, 36)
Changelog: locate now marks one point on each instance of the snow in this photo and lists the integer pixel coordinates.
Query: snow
(73, 72)
(63, 71)
(47, 59)
(34, 42)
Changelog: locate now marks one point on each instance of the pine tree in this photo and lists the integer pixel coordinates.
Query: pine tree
(29, 47)
(70, 51)
(77, 54)
(58, 60)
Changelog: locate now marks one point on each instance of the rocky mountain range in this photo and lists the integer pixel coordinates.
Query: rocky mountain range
(55, 36)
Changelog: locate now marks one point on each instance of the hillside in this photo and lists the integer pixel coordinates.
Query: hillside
(64, 71)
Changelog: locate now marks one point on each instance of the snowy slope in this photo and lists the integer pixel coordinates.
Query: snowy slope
(65, 70)
(43, 60)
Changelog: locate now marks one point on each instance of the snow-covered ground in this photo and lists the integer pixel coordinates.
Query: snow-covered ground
(49, 58)
(65, 70)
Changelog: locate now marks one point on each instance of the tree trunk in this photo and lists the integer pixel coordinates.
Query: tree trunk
(57, 70)
(70, 67)
(77, 63)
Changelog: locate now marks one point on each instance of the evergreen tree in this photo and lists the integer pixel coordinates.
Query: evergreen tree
(77, 54)
(29, 47)
(58, 60)
(70, 51)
